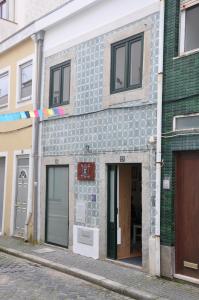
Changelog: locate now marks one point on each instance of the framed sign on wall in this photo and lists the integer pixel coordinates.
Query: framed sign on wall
(86, 171)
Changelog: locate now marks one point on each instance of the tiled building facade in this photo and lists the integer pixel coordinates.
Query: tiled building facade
(95, 130)
(180, 98)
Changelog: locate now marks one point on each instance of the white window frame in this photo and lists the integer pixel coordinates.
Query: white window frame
(183, 116)
(6, 106)
(183, 7)
(26, 100)
(7, 8)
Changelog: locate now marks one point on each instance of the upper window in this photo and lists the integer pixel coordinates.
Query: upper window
(3, 9)
(4, 89)
(192, 28)
(60, 84)
(126, 64)
(189, 26)
(26, 81)
(186, 122)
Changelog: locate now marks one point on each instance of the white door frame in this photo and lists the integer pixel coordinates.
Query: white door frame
(4, 155)
(14, 185)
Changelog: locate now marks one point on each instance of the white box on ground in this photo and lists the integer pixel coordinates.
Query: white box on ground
(86, 241)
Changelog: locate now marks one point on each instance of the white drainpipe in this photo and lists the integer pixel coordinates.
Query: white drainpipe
(38, 39)
(159, 138)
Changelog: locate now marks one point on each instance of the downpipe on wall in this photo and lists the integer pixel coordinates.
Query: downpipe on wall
(38, 38)
(155, 240)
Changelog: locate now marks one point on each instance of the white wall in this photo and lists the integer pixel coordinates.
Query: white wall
(23, 12)
(103, 16)
(29, 10)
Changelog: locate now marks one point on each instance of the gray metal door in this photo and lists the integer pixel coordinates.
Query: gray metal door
(22, 179)
(2, 180)
(57, 205)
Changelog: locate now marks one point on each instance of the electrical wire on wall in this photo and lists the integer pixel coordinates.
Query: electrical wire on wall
(169, 134)
(15, 130)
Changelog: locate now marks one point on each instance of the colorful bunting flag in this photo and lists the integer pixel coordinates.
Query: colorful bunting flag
(50, 112)
(37, 113)
(32, 114)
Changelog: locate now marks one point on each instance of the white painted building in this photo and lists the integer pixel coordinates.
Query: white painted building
(16, 14)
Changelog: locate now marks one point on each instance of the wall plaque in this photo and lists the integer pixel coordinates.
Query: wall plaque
(85, 236)
(122, 159)
(86, 171)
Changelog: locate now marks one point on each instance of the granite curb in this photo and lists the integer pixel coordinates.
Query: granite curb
(87, 276)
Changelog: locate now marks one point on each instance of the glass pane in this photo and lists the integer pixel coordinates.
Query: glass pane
(112, 195)
(187, 122)
(57, 226)
(66, 84)
(23, 161)
(50, 184)
(136, 63)
(3, 10)
(192, 28)
(26, 90)
(56, 87)
(4, 89)
(26, 73)
(120, 68)
(26, 80)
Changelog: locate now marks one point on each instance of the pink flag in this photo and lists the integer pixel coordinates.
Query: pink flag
(61, 111)
(36, 113)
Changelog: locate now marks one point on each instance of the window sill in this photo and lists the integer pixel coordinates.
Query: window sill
(64, 104)
(187, 53)
(3, 106)
(8, 20)
(130, 89)
(123, 97)
(67, 111)
(24, 99)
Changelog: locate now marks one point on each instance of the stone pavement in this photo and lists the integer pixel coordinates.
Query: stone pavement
(21, 280)
(133, 279)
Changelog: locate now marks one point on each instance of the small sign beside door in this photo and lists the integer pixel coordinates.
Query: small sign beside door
(166, 183)
(86, 171)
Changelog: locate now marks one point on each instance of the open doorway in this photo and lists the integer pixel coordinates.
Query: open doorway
(124, 230)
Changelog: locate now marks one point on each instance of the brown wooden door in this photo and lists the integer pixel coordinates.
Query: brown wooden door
(124, 249)
(187, 214)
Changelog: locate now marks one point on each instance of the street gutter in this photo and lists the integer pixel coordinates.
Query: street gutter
(87, 276)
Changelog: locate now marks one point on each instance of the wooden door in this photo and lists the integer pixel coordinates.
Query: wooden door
(124, 249)
(187, 214)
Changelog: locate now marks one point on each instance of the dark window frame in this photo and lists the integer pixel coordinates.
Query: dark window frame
(127, 44)
(53, 69)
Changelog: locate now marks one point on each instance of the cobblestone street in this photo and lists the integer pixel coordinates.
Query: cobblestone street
(20, 279)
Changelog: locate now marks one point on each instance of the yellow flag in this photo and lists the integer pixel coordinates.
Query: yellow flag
(50, 112)
(32, 114)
